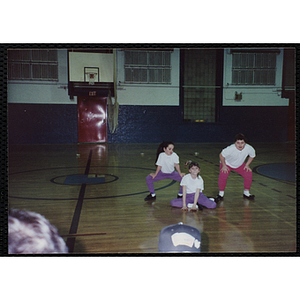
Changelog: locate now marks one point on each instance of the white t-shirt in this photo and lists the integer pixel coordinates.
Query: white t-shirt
(192, 184)
(167, 162)
(234, 158)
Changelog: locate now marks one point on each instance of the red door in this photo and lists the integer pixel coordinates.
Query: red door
(92, 115)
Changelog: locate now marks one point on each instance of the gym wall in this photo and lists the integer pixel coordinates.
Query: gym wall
(41, 113)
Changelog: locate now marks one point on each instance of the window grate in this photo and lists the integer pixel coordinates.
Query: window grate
(198, 105)
(33, 64)
(199, 85)
(147, 67)
(254, 68)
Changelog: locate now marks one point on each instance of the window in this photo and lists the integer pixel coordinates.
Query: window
(253, 68)
(33, 64)
(143, 66)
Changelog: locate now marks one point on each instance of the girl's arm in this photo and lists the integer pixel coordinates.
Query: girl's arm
(177, 167)
(250, 159)
(195, 200)
(224, 169)
(184, 198)
(157, 171)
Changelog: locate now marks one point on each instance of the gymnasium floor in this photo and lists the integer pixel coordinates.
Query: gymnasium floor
(94, 194)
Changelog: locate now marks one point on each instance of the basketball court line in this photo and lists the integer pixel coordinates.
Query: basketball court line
(258, 173)
(52, 180)
(75, 221)
(76, 216)
(274, 177)
(274, 215)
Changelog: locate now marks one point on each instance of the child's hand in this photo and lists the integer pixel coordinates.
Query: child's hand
(187, 163)
(247, 168)
(153, 175)
(184, 208)
(225, 169)
(194, 208)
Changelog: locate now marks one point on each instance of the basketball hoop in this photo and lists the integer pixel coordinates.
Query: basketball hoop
(91, 75)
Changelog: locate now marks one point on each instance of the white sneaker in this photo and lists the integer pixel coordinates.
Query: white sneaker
(190, 205)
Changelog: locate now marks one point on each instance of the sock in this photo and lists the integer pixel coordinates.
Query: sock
(221, 193)
(179, 194)
(246, 193)
(152, 194)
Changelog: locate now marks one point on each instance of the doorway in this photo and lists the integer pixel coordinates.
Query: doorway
(91, 119)
(201, 84)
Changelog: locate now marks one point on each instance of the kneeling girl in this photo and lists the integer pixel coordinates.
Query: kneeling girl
(192, 187)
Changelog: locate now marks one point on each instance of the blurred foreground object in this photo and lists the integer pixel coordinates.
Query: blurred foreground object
(31, 233)
(179, 238)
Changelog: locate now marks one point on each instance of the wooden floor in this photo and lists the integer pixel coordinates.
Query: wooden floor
(112, 217)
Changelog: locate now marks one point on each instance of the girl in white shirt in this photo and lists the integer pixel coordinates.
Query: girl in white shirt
(166, 161)
(193, 186)
(233, 158)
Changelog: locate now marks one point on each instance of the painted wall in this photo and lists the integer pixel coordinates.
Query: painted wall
(57, 124)
(42, 123)
(253, 95)
(153, 124)
(104, 61)
(145, 94)
(41, 92)
(43, 113)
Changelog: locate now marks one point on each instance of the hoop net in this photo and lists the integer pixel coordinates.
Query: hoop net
(91, 77)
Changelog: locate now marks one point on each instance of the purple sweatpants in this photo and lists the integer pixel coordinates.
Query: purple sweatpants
(202, 200)
(246, 175)
(160, 176)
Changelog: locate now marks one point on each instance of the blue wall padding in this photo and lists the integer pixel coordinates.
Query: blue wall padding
(57, 124)
(42, 123)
